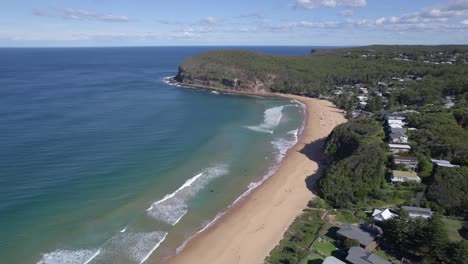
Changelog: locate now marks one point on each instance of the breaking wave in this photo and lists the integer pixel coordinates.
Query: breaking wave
(271, 119)
(173, 207)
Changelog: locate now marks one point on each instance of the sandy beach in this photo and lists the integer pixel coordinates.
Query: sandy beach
(254, 226)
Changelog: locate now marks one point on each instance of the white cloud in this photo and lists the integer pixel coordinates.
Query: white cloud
(346, 13)
(81, 14)
(465, 22)
(210, 20)
(310, 4)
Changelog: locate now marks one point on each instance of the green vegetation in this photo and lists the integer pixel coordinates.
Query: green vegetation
(294, 247)
(439, 136)
(322, 71)
(357, 168)
(450, 189)
(454, 228)
(423, 240)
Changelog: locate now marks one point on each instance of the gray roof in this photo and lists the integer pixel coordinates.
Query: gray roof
(397, 135)
(357, 255)
(417, 210)
(332, 260)
(405, 158)
(354, 232)
(397, 130)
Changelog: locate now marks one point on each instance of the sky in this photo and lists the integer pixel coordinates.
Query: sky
(76, 23)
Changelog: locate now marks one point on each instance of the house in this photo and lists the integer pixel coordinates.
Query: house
(444, 163)
(408, 161)
(357, 255)
(332, 260)
(418, 211)
(398, 148)
(362, 98)
(365, 236)
(395, 117)
(404, 176)
(398, 137)
(398, 122)
(379, 215)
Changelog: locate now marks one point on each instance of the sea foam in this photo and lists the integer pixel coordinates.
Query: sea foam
(173, 207)
(132, 247)
(84, 256)
(271, 119)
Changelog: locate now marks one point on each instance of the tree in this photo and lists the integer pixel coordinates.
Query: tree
(450, 189)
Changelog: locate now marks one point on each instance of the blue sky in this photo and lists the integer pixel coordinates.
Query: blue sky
(241, 22)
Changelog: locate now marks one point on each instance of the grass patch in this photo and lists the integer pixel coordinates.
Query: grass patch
(345, 217)
(453, 227)
(294, 247)
(326, 248)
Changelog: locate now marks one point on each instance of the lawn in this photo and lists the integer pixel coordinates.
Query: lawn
(326, 248)
(453, 227)
(314, 259)
(344, 217)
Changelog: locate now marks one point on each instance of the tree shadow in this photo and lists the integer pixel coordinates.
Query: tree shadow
(313, 151)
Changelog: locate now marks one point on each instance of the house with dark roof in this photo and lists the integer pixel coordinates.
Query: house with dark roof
(408, 161)
(357, 255)
(364, 235)
(415, 212)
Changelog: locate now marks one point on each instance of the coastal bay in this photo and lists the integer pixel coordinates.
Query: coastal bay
(250, 230)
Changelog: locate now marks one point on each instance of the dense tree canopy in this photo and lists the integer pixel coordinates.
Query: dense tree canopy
(450, 189)
(358, 163)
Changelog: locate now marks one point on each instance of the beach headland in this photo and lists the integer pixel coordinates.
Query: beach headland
(251, 228)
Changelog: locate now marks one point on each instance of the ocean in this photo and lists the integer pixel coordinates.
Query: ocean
(102, 161)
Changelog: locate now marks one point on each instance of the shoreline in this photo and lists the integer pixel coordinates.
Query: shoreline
(247, 230)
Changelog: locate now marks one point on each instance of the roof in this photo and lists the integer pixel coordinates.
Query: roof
(400, 146)
(444, 163)
(405, 174)
(332, 260)
(417, 210)
(382, 215)
(397, 129)
(398, 135)
(354, 232)
(405, 158)
(357, 255)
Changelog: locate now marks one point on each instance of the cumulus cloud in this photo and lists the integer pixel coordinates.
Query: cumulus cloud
(81, 14)
(311, 4)
(465, 22)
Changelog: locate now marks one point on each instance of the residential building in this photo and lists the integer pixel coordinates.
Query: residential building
(398, 148)
(398, 137)
(364, 235)
(415, 212)
(404, 176)
(380, 215)
(332, 260)
(357, 255)
(409, 161)
(444, 163)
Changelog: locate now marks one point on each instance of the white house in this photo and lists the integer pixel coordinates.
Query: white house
(379, 215)
(444, 163)
(397, 148)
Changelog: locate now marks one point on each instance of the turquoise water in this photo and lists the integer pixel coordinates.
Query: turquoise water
(103, 162)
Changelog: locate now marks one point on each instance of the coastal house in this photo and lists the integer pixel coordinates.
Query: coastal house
(404, 176)
(365, 235)
(399, 148)
(332, 260)
(362, 98)
(379, 215)
(357, 255)
(398, 137)
(443, 163)
(395, 116)
(409, 161)
(415, 212)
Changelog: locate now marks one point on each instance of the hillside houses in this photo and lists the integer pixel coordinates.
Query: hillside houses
(404, 176)
(408, 162)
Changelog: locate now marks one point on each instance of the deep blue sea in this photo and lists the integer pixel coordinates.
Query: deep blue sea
(101, 161)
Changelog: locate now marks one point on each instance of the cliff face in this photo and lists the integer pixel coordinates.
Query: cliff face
(220, 81)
